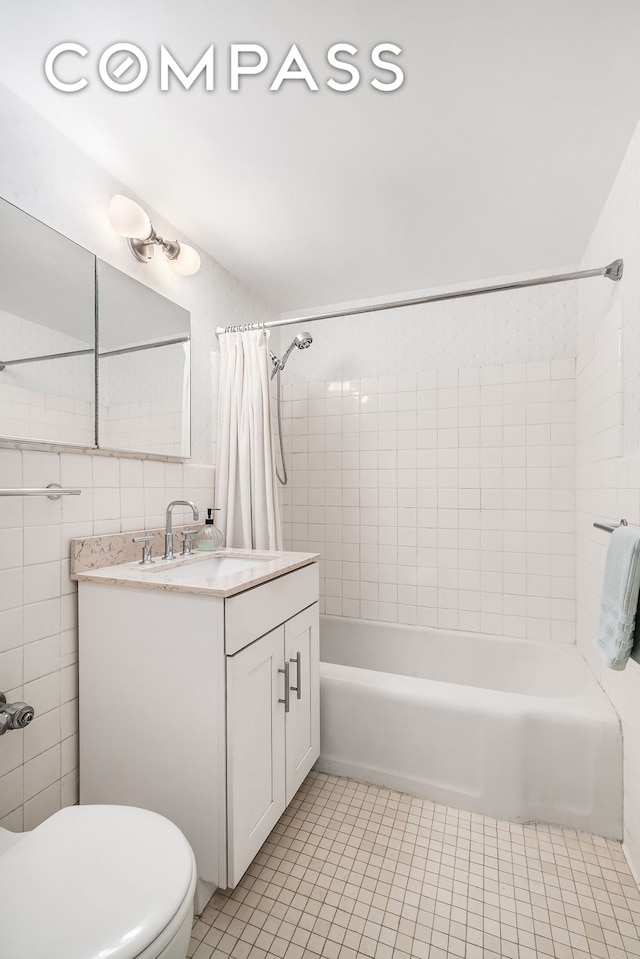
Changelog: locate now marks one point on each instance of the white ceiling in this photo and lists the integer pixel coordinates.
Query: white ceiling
(495, 156)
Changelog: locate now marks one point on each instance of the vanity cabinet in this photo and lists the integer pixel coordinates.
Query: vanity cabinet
(182, 708)
(273, 732)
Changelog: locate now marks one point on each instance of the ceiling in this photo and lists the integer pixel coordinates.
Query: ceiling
(493, 158)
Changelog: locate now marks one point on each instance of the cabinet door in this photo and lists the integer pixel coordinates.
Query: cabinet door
(255, 748)
(303, 718)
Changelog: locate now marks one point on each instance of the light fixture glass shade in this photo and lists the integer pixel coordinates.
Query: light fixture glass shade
(187, 261)
(128, 218)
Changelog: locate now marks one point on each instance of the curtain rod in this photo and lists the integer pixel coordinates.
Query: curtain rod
(125, 349)
(613, 271)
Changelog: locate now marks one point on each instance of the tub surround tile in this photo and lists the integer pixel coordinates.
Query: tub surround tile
(447, 473)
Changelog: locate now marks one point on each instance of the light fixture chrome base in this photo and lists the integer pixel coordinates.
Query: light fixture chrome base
(142, 249)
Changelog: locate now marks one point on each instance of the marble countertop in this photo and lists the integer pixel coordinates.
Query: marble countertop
(162, 575)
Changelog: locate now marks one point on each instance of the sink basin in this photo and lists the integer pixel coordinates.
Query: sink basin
(209, 569)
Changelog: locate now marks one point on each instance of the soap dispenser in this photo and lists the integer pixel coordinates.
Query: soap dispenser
(209, 537)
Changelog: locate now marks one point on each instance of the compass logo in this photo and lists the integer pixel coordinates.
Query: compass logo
(124, 67)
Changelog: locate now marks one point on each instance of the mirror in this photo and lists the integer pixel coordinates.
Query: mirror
(54, 295)
(47, 333)
(143, 368)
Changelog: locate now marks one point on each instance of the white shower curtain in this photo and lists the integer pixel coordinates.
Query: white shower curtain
(247, 495)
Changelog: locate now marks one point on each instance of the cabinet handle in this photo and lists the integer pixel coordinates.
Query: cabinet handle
(297, 689)
(286, 687)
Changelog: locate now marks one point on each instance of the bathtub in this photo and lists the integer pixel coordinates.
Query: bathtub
(510, 728)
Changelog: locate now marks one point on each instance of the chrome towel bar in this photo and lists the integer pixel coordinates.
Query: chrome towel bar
(53, 491)
(610, 529)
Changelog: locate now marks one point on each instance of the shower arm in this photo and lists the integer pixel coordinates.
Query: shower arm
(612, 271)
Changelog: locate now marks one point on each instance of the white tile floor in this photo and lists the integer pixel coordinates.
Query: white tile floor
(356, 871)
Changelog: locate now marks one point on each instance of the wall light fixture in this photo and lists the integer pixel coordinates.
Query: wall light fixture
(130, 220)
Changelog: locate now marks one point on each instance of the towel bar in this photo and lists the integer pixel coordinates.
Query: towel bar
(53, 491)
(610, 529)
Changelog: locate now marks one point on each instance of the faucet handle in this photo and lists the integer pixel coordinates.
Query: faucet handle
(146, 549)
(187, 546)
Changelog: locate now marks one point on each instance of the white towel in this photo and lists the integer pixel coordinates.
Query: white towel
(619, 597)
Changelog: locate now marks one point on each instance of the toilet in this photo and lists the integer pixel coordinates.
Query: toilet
(97, 882)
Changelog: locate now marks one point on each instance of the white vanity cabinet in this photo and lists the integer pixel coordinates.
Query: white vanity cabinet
(273, 736)
(184, 708)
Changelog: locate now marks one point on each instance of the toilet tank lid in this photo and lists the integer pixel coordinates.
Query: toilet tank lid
(93, 881)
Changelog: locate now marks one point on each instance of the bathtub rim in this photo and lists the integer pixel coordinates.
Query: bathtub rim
(571, 653)
(465, 633)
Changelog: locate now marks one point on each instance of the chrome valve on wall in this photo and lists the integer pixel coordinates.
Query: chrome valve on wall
(14, 715)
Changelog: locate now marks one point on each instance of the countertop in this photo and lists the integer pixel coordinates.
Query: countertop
(162, 574)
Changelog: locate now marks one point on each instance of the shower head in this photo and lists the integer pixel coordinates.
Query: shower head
(302, 341)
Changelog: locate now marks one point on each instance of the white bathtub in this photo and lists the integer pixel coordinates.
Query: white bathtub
(510, 728)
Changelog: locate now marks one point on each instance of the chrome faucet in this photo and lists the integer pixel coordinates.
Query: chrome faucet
(168, 533)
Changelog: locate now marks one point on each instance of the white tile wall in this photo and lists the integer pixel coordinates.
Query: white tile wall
(38, 614)
(608, 473)
(443, 498)
(608, 488)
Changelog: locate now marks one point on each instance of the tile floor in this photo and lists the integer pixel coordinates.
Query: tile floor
(355, 871)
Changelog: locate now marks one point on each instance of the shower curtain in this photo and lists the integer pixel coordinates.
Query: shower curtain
(247, 495)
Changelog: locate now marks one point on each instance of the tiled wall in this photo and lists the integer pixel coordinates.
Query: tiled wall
(608, 489)
(38, 603)
(44, 174)
(440, 498)
(608, 473)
